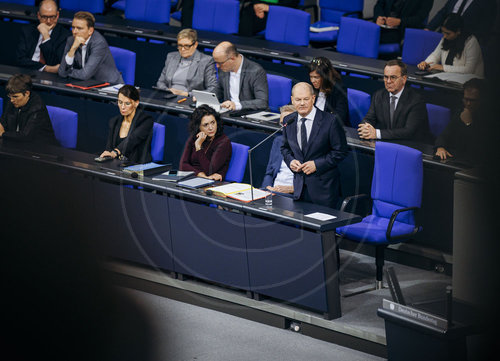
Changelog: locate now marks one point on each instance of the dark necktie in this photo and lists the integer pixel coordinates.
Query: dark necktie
(392, 108)
(461, 8)
(303, 135)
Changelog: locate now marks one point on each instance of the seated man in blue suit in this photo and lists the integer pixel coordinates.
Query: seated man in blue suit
(87, 55)
(314, 144)
(278, 177)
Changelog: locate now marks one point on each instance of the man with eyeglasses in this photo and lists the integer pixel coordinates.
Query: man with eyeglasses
(25, 117)
(242, 82)
(41, 47)
(187, 68)
(396, 112)
(87, 55)
(461, 138)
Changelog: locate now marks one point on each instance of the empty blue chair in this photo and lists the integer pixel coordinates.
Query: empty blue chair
(65, 124)
(330, 14)
(280, 90)
(418, 44)
(396, 193)
(158, 142)
(439, 117)
(119, 5)
(358, 37)
(93, 6)
(238, 162)
(222, 16)
(359, 103)
(154, 11)
(1, 106)
(287, 25)
(23, 2)
(125, 63)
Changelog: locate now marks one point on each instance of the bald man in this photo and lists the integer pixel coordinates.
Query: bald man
(41, 46)
(242, 82)
(314, 144)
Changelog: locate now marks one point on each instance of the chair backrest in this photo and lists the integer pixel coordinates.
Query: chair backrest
(23, 2)
(358, 37)
(439, 117)
(287, 25)
(65, 125)
(238, 162)
(1, 106)
(359, 103)
(418, 44)
(280, 90)
(158, 142)
(125, 63)
(397, 180)
(333, 10)
(93, 6)
(154, 11)
(222, 16)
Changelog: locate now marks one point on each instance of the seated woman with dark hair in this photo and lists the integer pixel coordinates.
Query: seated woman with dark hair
(130, 132)
(208, 149)
(457, 52)
(331, 96)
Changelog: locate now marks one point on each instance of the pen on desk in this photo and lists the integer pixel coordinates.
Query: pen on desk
(181, 100)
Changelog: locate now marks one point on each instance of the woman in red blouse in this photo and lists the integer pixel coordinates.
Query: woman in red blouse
(208, 149)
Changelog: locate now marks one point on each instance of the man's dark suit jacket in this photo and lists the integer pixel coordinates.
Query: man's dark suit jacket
(99, 63)
(478, 17)
(410, 117)
(33, 119)
(327, 147)
(413, 13)
(52, 49)
(336, 103)
(274, 163)
(253, 86)
(137, 145)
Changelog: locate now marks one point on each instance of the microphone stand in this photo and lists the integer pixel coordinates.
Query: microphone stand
(257, 145)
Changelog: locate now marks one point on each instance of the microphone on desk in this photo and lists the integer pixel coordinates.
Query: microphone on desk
(259, 144)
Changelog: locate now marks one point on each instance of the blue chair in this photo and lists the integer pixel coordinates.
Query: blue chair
(221, 16)
(331, 13)
(119, 5)
(23, 2)
(280, 90)
(65, 124)
(358, 37)
(154, 11)
(396, 194)
(238, 162)
(1, 106)
(158, 142)
(418, 44)
(125, 63)
(439, 117)
(287, 25)
(93, 6)
(359, 103)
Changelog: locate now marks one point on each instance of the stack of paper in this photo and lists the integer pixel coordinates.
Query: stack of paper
(239, 191)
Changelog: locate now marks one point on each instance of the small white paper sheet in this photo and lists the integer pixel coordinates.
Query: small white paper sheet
(320, 216)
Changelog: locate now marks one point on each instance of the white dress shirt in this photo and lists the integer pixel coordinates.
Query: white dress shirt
(320, 101)
(284, 176)
(234, 85)
(398, 95)
(69, 60)
(457, 6)
(309, 123)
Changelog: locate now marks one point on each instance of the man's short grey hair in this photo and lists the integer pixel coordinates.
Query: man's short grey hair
(309, 86)
(288, 108)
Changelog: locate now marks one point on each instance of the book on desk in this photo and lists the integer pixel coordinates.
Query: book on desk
(87, 84)
(239, 191)
(147, 169)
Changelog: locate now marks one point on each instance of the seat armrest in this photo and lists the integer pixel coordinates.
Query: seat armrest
(391, 224)
(348, 200)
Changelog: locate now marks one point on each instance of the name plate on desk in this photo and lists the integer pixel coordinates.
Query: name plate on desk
(415, 314)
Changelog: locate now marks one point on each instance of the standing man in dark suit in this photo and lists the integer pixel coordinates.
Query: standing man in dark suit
(87, 55)
(41, 47)
(396, 112)
(242, 83)
(312, 148)
(478, 15)
(253, 14)
(394, 16)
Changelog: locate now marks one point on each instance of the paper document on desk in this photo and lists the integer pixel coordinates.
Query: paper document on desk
(320, 216)
(239, 191)
(113, 89)
(456, 78)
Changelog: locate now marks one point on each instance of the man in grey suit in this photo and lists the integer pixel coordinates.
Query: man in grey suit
(396, 112)
(87, 55)
(188, 69)
(242, 82)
